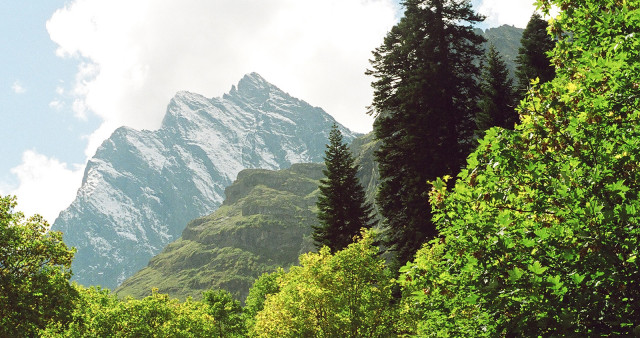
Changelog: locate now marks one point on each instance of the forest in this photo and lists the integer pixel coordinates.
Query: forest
(507, 208)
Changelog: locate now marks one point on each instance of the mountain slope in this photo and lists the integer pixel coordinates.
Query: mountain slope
(265, 222)
(141, 187)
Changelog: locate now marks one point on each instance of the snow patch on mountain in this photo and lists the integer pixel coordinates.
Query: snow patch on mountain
(142, 187)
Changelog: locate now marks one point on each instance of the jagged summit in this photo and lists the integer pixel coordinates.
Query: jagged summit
(253, 81)
(254, 90)
(142, 187)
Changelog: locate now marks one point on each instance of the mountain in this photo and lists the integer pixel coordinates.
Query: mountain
(506, 39)
(363, 149)
(141, 187)
(264, 223)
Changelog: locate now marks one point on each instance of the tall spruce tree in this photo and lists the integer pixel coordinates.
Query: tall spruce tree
(497, 101)
(532, 60)
(425, 95)
(342, 207)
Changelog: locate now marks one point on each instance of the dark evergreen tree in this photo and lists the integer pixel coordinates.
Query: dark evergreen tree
(425, 101)
(342, 208)
(532, 60)
(497, 102)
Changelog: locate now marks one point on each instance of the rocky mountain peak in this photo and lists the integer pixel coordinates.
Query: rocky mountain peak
(142, 187)
(253, 81)
(255, 91)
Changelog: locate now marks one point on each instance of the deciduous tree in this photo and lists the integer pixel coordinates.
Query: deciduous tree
(347, 294)
(226, 312)
(34, 273)
(99, 313)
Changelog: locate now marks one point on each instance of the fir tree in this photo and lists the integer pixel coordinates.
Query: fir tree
(425, 96)
(496, 104)
(532, 60)
(342, 208)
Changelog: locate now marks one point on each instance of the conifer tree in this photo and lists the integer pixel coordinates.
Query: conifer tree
(532, 60)
(342, 208)
(425, 101)
(496, 104)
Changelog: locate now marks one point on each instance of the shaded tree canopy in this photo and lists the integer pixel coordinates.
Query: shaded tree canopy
(533, 60)
(497, 102)
(425, 95)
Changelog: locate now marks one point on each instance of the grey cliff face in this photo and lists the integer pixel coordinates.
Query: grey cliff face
(142, 187)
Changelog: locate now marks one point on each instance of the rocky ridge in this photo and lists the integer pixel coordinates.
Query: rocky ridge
(141, 187)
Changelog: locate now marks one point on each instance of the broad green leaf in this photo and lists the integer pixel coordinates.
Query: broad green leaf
(577, 278)
(472, 298)
(537, 268)
(542, 233)
(528, 242)
(515, 274)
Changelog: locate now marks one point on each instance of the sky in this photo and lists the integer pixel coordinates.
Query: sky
(72, 71)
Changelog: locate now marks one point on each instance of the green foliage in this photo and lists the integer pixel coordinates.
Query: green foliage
(425, 96)
(34, 273)
(226, 311)
(99, 313)
(533, 60)
(540, 233)
(342, 206)
(497, 102)
(347, 294)
(266, 284)
(434, 305)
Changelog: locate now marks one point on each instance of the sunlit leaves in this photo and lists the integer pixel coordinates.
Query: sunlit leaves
(99, 313)
(34, 273)
(537, 268)
(347, 294)
(550, 211)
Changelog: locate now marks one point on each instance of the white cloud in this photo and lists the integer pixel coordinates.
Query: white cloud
(506, 12)
(134, 55)
(46, 185)
(137, 54)
(56, 104)
(510, 12)
(18, 88)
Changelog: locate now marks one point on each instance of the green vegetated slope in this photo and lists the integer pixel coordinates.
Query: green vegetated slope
(264, 222)
(363, 149)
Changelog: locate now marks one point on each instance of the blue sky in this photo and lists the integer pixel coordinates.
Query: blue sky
(30, 73)
(72, 71)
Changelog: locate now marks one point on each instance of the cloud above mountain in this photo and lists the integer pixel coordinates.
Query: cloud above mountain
(505, 12)
(136, 54)
(133, 56)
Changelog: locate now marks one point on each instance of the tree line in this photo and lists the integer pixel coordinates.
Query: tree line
(432, 103)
